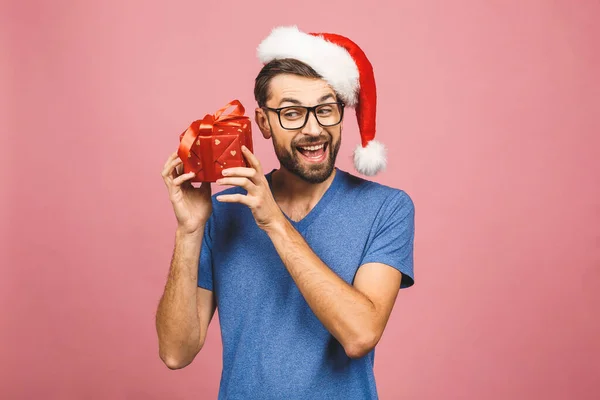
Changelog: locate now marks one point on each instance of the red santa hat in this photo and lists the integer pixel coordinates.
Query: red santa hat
(346, 68)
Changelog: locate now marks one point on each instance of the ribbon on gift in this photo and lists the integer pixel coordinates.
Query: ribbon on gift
(205, 126)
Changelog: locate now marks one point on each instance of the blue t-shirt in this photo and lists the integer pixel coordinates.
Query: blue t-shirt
(274, 347)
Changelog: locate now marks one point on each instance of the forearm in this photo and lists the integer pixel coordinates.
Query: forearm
(177, 320)
(344, 311)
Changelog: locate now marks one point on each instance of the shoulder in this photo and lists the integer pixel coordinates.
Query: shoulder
(375, 193)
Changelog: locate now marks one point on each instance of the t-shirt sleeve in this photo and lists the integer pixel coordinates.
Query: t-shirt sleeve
(205, 271)
(393, 237)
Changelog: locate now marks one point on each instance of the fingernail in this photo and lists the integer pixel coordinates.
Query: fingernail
(244, 148)
(225, 172)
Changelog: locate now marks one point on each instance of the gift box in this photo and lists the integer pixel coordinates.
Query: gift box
(214, 143)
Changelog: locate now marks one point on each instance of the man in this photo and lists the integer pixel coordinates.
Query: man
(304, 262)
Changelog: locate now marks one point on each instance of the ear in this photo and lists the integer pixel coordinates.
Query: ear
(263, 122)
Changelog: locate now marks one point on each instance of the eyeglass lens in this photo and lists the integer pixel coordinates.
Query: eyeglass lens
(294, 117)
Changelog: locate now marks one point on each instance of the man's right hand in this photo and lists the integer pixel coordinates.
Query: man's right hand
(192, 205)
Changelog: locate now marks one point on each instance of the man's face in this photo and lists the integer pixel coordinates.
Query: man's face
(309, 152)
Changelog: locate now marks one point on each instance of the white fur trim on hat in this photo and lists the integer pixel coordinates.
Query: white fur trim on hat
(329, 60)
(371, 159)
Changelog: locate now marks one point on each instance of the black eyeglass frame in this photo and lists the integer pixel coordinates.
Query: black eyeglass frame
(308, 111)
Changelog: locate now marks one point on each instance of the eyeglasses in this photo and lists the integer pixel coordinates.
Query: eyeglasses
(296, 117)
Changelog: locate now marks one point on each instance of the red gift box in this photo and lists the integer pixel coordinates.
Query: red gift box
(214, 143)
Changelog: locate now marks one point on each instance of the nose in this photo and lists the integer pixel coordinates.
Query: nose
(312, 126)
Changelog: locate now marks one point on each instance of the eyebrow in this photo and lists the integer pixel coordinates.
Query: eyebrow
(298, 102)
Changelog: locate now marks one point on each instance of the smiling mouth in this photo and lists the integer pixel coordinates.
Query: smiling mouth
(314, 152)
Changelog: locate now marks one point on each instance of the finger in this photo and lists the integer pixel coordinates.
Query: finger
(234, 198)
(183, 178)
(249, 173)
(166, 171)
(174, 171)
(178, 170)
(168, 168)
(252, 160)
(236, 181)
(171, 158)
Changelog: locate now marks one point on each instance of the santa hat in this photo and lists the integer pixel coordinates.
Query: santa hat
(346, 68)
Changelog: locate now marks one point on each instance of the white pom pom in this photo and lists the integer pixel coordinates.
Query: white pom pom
(371, 159)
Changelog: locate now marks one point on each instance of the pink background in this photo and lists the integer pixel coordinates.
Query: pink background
(490, 110)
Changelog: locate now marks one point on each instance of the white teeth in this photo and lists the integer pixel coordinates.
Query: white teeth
(313, 148)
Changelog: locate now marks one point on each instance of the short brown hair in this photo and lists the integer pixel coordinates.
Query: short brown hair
(277, 67)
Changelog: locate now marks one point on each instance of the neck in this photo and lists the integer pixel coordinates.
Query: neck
(291, 190)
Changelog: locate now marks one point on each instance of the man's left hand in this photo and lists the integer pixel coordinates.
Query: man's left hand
(259, 198)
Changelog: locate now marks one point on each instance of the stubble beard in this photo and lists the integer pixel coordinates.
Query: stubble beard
(311, 173)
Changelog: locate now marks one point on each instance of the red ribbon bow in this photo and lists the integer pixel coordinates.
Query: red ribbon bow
(204, 127)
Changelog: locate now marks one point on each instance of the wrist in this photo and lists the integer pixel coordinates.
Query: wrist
(277, 226)
(184, 233)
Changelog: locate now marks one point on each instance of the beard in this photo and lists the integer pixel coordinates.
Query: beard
(311, 173)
